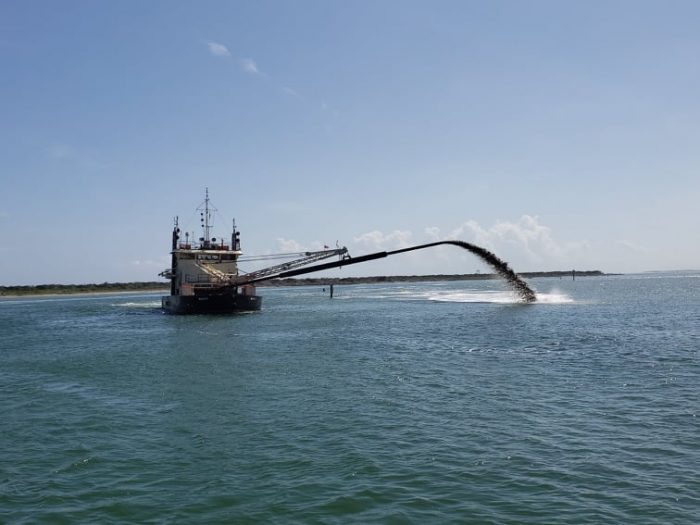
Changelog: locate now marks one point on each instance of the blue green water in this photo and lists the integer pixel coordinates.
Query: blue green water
(426, 403)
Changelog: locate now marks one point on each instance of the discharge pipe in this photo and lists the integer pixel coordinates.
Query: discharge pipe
(501, 267)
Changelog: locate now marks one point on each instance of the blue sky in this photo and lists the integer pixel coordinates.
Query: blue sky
(558, 134)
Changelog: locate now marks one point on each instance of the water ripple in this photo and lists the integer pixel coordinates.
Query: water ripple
(409, 404)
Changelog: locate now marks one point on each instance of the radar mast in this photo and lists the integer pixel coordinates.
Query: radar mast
(205, 210)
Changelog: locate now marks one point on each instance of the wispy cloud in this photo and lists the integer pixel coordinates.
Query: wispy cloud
(249, 66)
(218, 50)
(289, 91)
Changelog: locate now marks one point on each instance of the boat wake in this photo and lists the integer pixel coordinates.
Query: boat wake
(474, 297)
(456, 296)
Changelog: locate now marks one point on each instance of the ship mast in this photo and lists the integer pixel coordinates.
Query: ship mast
(205, 215)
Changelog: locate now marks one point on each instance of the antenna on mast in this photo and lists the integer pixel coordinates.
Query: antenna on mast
(205, 218)
(235, 237)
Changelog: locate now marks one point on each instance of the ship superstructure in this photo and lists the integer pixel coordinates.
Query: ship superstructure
(203, 272)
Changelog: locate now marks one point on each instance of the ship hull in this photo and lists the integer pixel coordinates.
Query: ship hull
(225, 303)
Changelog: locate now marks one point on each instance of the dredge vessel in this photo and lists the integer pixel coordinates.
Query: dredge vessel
(204, 275)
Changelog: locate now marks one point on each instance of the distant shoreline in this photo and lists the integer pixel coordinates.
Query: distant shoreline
(46, 295)
(81, 289)
(52, 290)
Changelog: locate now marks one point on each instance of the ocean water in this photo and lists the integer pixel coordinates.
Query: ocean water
(397, 403)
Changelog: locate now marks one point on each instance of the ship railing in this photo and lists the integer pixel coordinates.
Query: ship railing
(217, 246)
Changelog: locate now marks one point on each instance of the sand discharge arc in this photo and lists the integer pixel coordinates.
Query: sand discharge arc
(501, 267)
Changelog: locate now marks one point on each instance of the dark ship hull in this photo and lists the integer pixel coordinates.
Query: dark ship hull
(227, 302)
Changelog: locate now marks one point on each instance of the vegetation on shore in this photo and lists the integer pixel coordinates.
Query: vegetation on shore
(50, 289)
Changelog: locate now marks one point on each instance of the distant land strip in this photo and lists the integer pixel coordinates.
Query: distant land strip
(151, 286)
(60, 289)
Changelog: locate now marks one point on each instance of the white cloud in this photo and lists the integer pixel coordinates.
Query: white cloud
(526, 243)
(526, 236)
(377, 240)
(249, 66)
(218, 50)
(288, 245)
(433, 233)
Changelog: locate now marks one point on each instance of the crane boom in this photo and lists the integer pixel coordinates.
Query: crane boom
(275, 271)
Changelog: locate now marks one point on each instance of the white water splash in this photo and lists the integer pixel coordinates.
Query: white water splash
(449, 295)
(497, 297)
(474, 297)
(554, 298)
